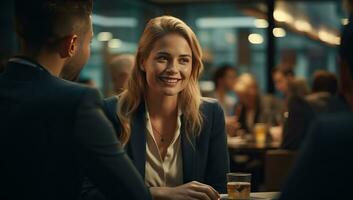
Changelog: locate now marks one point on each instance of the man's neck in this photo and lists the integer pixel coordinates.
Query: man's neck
(50, 61)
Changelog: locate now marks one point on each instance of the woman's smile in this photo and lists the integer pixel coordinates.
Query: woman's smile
(169, 81)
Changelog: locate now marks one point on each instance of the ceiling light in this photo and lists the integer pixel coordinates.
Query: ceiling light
(255, 38)
(279, 32)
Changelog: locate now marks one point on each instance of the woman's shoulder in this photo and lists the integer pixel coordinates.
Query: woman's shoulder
(110, 103)
(210, 104)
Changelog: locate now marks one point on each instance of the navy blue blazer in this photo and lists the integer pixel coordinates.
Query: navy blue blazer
(53, 133)
(205, 160)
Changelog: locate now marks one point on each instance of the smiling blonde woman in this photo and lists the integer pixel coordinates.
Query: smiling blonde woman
(175, 138)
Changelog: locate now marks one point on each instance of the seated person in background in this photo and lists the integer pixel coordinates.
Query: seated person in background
(120, 69)
(323, 89)
(304, 108)
(53, 131)
(175, 138)
(224, 80)
(281, 77)
(324, 167)
(252, 107)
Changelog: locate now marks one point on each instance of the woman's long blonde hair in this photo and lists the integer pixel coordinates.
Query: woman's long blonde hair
(189, 100)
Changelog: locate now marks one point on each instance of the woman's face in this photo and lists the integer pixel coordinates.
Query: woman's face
(168, 66)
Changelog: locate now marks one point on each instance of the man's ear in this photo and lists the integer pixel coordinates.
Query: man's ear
(68, 46)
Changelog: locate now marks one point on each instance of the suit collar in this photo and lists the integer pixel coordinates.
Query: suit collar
(188, 145)
(19, 71)
(28, 62)
(137, 145)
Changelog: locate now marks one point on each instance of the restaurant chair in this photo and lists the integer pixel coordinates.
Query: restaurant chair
(278, 164)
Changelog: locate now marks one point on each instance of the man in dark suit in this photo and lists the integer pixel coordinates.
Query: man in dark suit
(303, 110)
(53, 132)
(324, 167)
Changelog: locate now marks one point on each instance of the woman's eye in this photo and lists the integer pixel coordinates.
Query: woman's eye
(184, 60)
(162, 58)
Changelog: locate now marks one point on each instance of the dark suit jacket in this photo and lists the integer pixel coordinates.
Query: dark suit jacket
(302, 112)
(205, 160)
(53, 132)
(324, 168)
(300, 116)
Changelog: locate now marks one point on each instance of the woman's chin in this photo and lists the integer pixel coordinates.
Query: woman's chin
(170, 91)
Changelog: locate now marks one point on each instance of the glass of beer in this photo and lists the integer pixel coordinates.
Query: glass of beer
(260, 131)
(238, 186)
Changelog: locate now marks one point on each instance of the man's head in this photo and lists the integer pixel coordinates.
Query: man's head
(225, 77)
(61, 27)
(281, 78)
(121, 69)
(346, 59)
(324, 81)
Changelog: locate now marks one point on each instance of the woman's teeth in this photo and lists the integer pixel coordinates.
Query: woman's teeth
(170, 80)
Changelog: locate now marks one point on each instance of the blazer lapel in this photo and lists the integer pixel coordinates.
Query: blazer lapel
(137, 143)
(188, 153)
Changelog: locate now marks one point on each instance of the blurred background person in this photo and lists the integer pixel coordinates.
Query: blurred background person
(224, 80)
(253, 107)
(281, 77)
(324, 87)
(298, 89)
(120, 69)
(248, 108)
(304, 108)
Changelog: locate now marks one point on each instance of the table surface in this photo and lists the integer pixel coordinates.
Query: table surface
(258, 196)
(237, 143)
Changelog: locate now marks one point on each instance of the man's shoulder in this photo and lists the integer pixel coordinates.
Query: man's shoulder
(344, 118)
(69, 90)
(335, 127)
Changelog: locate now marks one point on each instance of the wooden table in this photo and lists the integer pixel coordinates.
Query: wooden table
(236, 144)
(258, 196)
(249, 156)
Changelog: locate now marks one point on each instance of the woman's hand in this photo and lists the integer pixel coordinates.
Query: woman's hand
(190, 191)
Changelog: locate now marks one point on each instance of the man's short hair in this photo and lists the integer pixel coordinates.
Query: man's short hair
(324, 81)
(221, 72)
(44, 22)
(346, 47)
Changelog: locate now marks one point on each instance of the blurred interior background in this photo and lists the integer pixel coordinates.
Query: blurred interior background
(303, 36)
(251, 37)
